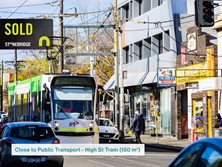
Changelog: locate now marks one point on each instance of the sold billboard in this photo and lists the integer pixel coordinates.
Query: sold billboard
(26, 33)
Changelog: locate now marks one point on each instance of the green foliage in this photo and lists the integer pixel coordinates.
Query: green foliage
(33, 67)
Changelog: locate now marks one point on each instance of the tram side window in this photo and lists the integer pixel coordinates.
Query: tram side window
(11, 109)
(35, 112)
(46, 106)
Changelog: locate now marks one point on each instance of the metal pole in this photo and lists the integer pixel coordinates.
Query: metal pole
(91, 57)
(15, 80)
(61, 58)
(2, 87)
(121, 82)
(116, 64)
(15, 66)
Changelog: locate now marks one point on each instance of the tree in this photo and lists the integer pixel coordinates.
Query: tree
(33, 67)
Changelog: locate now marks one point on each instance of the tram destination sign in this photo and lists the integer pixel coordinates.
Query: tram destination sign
(26, 33)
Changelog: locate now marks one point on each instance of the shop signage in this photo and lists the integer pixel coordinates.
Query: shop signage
(166, 77)
(196, 72)
(26, 33)
(210, 84)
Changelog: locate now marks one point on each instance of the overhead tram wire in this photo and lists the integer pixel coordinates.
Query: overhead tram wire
(40, 4)
(17, 9)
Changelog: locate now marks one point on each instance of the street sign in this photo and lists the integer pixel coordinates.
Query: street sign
(26, 33)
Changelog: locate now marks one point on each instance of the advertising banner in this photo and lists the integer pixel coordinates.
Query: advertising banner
(166, 77)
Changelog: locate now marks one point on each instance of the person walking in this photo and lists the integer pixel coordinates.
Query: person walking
(138, 127)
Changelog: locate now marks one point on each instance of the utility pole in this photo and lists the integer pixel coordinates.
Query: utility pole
(61, 57)
(121, 85)
(15, 67)
(116, 52)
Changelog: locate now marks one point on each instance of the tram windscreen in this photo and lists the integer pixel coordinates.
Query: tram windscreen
(73, 103)
(73, 81)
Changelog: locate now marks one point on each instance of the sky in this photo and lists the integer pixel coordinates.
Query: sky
(39, 8)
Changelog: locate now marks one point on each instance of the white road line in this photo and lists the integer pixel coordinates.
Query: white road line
(140, 163)
(162, 155)
(101, 163)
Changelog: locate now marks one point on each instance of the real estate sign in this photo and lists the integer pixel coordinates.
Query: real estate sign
(26, 33)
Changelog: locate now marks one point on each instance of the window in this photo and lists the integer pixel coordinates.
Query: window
(210, 158)
(166, 41)
(147, 6)
(138, 54)
(5, 132)
(126, 14)
(138, 8)
(188, 157)
(126, 55)
(31, 132)
(147, 47)
(105, 122)
(157, 44)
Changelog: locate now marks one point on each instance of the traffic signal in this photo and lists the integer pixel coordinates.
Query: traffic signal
(204, 13)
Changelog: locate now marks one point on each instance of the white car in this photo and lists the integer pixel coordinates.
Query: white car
(107, 131)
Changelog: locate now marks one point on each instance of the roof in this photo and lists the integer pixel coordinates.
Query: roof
(213, 141)
(20, 124)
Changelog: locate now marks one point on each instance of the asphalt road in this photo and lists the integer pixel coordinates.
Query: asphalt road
(154, 156)
(151, 159)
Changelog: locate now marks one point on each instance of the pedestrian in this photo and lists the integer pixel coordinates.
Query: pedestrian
(218, 120)
(138, 127)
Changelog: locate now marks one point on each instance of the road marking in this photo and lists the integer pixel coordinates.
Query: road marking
(162, 155)
(101, 163)
(140, 163)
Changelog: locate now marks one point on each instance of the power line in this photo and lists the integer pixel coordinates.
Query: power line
(17, 9)
(40, 4)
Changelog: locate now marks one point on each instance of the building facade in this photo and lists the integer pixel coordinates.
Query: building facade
(154, 35)
(148, 44)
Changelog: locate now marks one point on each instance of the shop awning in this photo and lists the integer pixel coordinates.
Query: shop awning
(151, 77)
(110, 85)
(133, 79)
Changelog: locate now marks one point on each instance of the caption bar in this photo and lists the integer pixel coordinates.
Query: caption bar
(78, 149)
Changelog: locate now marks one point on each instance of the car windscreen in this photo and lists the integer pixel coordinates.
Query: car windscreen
(32, 132)
(105, 123)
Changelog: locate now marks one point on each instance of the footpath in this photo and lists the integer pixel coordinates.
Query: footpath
(165, 143)
(168, 143)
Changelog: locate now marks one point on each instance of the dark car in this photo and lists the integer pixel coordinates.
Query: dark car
(27, 133)
(202, 153)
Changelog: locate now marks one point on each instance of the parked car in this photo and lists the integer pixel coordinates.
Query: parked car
(107, 131)
(27, 133)
(202, 153)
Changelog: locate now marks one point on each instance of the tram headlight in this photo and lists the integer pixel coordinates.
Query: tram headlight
(90, 124)
(57, 124)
